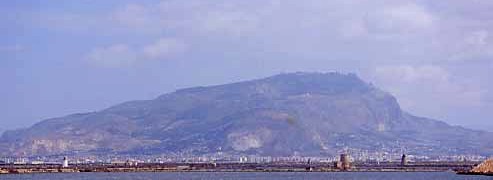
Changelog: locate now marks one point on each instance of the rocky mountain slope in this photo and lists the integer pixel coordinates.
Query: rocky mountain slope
(286, 114)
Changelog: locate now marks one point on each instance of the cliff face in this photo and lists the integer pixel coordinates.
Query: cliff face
(296, 113)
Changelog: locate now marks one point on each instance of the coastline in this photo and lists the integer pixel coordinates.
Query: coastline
(233, 167)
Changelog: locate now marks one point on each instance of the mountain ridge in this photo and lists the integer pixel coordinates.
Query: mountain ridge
(286, 114)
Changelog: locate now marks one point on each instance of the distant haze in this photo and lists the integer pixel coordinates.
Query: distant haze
(71, 56)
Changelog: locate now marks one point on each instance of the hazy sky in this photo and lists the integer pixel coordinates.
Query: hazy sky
(66, 56)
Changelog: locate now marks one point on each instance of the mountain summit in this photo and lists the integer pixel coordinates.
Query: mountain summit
(286, 114)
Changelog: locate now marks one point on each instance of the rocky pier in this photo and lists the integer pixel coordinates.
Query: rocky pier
(240, 167)
(485, 168)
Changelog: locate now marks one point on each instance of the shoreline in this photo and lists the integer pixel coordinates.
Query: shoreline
(223, 171)
(232, 167)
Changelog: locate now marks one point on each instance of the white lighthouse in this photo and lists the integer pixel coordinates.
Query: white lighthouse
(65, 162)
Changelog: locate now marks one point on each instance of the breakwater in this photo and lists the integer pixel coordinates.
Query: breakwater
(485, 168)
(240, 167)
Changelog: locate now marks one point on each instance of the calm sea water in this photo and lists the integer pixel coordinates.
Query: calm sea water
(248, 176)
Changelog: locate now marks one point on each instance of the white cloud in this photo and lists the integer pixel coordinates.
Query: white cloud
(123, 55)
(477, 38)
(411, 14)
(412, 74)
(116, 55)
(138, 17)
(193, 16)
(475, 45)
(400, 19)
(163, 48)
(236, 23)
(133, 15)
(428, 89)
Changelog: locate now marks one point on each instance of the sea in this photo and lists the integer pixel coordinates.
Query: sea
(250, 176)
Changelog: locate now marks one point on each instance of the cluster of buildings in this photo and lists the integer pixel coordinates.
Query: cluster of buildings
(343, 159)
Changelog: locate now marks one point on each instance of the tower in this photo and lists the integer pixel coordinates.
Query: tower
(65, 162)
(403, 160)
(345, 162)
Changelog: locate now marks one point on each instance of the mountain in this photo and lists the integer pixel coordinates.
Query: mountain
(286, 114)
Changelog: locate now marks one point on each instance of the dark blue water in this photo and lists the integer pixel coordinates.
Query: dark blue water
(249, 176)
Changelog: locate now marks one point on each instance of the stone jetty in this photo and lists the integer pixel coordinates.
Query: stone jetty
(241, 167)
(485, 168)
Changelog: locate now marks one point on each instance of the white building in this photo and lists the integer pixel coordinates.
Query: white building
(243, 159)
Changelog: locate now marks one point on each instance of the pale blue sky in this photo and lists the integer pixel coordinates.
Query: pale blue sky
(62, 57)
